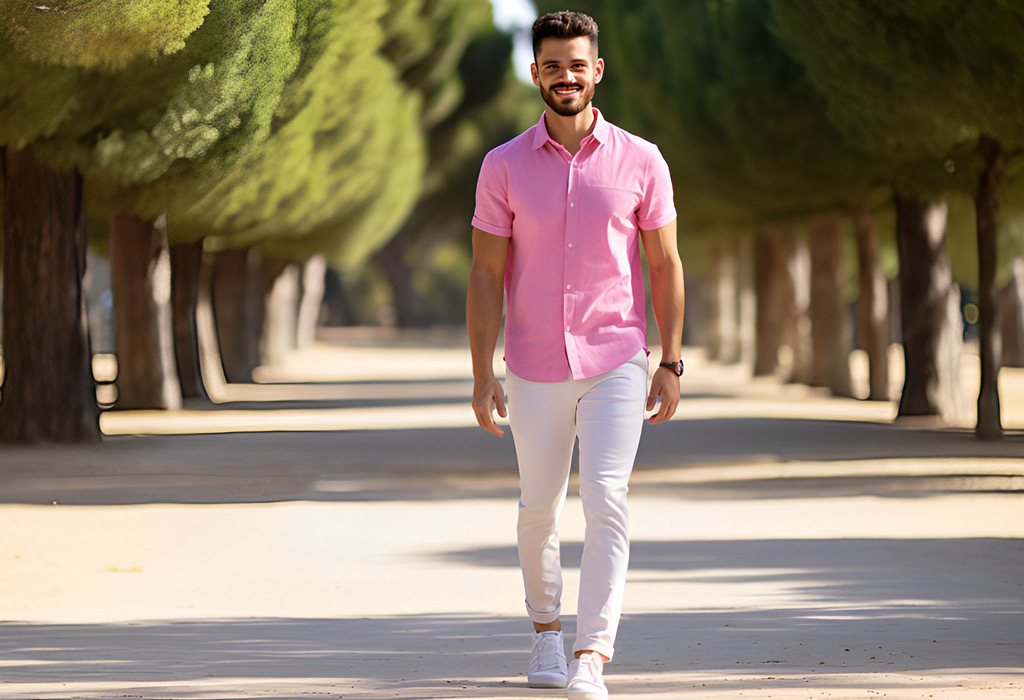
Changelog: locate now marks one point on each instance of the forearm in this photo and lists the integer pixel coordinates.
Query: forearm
(484, 306)
(668, 300)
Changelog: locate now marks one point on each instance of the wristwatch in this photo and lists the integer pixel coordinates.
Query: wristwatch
(676, 367)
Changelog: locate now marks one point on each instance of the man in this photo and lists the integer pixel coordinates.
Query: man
(561, 212)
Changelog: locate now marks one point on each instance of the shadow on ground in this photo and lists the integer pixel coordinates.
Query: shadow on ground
(668, 653)
(468, 463)
(857, 614)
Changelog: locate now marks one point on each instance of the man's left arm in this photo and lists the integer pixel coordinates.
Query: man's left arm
(668, 300)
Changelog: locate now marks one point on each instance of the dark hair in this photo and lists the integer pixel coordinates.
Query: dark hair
(564, 25)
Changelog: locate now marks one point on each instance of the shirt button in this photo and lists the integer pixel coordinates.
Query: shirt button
(572, 204)
(570, 245)
(567, 329)
(568, 286)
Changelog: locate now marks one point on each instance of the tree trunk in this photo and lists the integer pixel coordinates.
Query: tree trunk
(337, 309)
(798, 329)
(312, 298)
(723, 307)
(280, 282)
(783, 333)
(986, 207)
(872, 306)
(1011, 312)
(929, 311)
(140, 278)
(237, 311)
(769, 268)
(409, 311)
(830, 320)
(48, 393)
(747, 301)
(186, 262)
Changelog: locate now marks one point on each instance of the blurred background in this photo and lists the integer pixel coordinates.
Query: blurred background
(236, 178)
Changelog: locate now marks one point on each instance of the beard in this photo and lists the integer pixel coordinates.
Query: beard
(567, 106)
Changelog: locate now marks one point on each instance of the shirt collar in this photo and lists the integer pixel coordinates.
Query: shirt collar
(599, 132)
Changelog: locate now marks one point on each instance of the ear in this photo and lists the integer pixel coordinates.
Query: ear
(598, 70)
(534, 74)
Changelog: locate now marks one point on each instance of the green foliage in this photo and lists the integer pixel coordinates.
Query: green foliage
(914, 83)
(493, 107)
(342, 165)
(99, 34)
(297, 126)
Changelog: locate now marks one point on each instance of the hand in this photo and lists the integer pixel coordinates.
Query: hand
(664, 386)
(488, 396)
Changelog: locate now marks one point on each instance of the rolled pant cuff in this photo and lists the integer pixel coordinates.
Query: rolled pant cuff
(599, 647)
(546, 617)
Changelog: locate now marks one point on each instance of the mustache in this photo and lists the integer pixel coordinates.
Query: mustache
(565, 85)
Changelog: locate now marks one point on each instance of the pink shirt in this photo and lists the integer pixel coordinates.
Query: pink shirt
(574, 283)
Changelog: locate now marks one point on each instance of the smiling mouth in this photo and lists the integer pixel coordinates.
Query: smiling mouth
(566, 90)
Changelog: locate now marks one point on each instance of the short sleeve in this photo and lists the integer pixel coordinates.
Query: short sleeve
(493, 213)
(658, 206)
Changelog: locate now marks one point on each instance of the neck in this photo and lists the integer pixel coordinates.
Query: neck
(569, 131)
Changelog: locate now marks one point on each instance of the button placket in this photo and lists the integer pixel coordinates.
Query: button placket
(569, 266)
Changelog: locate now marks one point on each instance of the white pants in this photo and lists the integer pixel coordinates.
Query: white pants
(606, 413)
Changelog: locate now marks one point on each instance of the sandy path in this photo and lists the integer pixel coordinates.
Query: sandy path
(786, 545)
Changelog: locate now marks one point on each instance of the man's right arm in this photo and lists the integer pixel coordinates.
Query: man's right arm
(484, 305)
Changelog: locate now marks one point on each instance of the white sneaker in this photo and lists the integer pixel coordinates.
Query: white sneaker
(585, 681)
(547, 663)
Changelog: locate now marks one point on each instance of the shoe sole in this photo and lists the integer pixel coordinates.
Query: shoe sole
(546, 682)
(584, 695)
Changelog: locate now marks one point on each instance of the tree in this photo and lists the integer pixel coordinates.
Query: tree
(50, 57)
(957, 70)
(485, 106)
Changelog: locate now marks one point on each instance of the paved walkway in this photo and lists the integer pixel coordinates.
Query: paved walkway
(344, 531)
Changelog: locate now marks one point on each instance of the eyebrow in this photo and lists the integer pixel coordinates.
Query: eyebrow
(555, 62)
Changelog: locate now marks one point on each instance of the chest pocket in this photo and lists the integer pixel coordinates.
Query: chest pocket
(612, 203)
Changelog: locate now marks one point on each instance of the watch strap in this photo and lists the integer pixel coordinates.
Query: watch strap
(676, 367)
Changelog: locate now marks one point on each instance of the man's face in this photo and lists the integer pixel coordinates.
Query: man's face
(566, 72)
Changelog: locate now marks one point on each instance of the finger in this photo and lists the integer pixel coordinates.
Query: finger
(499, 403)
(652, 399)
(668, 408)
(485, 419)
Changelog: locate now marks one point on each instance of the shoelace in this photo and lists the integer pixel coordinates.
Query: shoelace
(547, 643)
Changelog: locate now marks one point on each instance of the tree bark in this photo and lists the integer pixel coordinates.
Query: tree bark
(186, 262)
(769, 263)
(48, 393)
(140, 278)
(830, 319)
(1011, 313)
(237, 310)
(799, 326)
(929, 312)
(723, 312)
(409, 311)
(280, 282)
(872, 306)
(986, 207)
(747, 300)
(782, 301)
(313, 273)
(337, 309)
